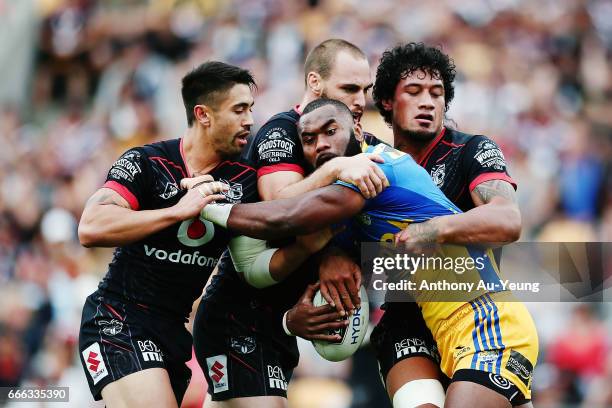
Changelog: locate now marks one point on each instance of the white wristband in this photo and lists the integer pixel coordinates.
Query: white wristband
(258, 274)
(252, 258)
(287, 332)
(217, 213)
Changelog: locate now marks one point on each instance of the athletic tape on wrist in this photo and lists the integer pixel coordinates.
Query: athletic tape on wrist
(217, 213)
(287, 332)
(258, 274)
(252, 258)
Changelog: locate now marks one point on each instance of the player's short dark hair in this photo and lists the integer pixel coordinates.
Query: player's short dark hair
(321, 58)
(402, 60)
(204, 84)
(318, 103)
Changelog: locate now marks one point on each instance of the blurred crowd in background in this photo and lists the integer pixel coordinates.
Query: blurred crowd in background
(83, 80)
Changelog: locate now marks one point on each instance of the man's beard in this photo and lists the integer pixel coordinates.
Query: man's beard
(229, 152)
(354, 147)
(229, 149)
(419, 136)
(324, 158)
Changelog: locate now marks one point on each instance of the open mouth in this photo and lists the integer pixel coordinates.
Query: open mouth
(357, 116)
(424, 118)
(242, 138)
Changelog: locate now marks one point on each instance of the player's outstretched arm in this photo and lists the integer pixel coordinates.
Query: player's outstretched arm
(496, 219)
(108, 220)
(360, 170)
(304, 214)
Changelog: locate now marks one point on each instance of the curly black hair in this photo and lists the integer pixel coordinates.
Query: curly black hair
(402, 60)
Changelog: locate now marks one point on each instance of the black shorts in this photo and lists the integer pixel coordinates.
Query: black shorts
(402, 334)
(243, 350)
(117, 339)
(494, 382)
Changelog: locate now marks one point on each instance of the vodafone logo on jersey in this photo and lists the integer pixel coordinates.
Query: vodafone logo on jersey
(195, 232)
(192, 233)
(185, 258)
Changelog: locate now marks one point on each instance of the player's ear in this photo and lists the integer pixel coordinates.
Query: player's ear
(314, 83)
(202, 114)
(387, 104)
(358, 132)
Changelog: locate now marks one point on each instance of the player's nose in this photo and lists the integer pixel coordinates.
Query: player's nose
(360, 101)
(322, 144)
(248, 121)
(426, 102)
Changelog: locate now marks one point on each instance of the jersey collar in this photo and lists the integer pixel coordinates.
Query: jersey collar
(423, 158)
(183, 157)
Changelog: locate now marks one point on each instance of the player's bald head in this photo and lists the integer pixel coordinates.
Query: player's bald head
(321, 59)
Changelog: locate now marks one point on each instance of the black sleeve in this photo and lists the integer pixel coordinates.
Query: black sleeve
(128, 176)
(277, 147)
(372, 140)
(483, 160)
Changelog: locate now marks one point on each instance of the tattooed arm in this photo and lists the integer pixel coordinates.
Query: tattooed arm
(495, 219)
(108, 220)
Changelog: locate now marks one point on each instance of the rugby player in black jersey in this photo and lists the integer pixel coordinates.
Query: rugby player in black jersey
(240, 325)
(411, 369)
(488, 345)
(133, 341)
(495, 219)
(413, 89)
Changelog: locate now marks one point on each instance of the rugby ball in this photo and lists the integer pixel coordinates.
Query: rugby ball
(351, 335)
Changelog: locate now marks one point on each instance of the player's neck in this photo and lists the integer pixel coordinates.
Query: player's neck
(414, 146)
(308, 97)
(199, 155)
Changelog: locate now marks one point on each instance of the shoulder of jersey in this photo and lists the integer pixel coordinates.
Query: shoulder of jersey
(164, 146)
(372, 140)
(290, 115)
(461, 138)
(387, 151)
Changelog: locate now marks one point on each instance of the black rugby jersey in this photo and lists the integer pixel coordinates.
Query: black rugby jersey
(167, 271)
(275, 147)
(457, 162)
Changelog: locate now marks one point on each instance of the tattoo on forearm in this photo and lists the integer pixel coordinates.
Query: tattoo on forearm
(495, 188)
(423, 232)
